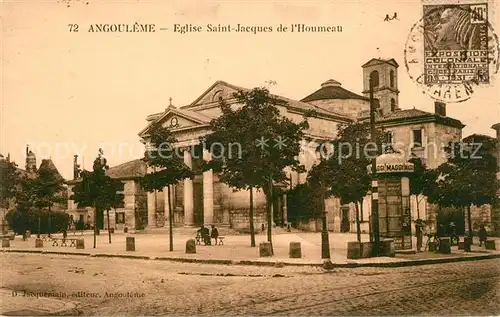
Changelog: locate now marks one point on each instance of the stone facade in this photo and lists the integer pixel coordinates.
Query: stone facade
(135, 202)
(334, 105)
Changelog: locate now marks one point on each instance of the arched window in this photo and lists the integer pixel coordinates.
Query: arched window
(391, 78)
(375, 78)
(217, 96)
(393, 104)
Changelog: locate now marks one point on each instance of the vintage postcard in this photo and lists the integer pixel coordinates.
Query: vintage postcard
(320, 158)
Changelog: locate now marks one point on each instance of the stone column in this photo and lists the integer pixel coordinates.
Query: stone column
(151, 210)
(188, 193)
(208, 192)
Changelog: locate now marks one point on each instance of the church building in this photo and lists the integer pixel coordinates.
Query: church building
(205, 200)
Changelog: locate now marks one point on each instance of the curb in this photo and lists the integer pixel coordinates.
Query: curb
(433, 261)
(186, 260)
(122, 256)
(404, 263)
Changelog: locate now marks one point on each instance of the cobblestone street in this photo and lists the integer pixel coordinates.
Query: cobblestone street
(98, 285)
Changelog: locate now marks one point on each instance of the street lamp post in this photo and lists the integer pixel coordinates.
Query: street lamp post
(325, 243)
(374, 211)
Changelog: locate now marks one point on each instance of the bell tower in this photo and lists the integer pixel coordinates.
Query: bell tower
(30, 160)
(384, 75)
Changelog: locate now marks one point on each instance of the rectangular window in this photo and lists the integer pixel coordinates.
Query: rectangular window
(120, 217)
(389, 138)
(121, 190)
(417, 138)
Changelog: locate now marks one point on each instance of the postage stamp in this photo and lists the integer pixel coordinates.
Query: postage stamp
(452, 50)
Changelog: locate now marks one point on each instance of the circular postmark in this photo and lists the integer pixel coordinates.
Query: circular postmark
(451, 51)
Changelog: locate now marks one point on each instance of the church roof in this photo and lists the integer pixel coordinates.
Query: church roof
(376, 61)
(291, 104)
(331, 89)
(128, 170)
(49, 165)
(182, 112)
(407, 115)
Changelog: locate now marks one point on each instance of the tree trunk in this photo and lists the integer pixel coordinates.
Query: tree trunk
(95, 225)
(418, 207)
(325, 241)
(469, 223)
(269, 210)
(170, 221)
(39, 223)
(252, 228)
(49, 224)
(109, 231)
(358, 225)
(361, 210)
(156, 204)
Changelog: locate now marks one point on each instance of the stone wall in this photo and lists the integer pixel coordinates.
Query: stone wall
(240, 219)
(311, 225)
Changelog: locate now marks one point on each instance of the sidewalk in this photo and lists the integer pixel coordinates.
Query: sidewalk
(237, 250)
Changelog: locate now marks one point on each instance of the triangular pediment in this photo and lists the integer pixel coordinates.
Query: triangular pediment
(178, 119)
(220, 89)
(377, 61)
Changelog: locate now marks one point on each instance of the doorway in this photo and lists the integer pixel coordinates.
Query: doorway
(345, 225)
(198, 200)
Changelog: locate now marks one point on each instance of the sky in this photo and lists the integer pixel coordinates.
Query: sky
(67, 93)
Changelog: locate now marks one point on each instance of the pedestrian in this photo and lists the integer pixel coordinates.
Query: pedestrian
(483, 235)
(204, 234)
(214, 234)
(419, 232)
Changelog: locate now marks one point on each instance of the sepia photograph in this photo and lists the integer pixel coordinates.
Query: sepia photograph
(247, 158)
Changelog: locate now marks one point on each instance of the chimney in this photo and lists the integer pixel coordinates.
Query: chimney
(440, 108)
(76, 167)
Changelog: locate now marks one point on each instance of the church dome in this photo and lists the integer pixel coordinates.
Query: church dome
(331, 89)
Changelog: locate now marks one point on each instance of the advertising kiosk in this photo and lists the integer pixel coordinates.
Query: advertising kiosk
(393, 183)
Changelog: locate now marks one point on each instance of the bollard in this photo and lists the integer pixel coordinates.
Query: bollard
(130, 243)
(125, 230)
(467, 244)
(490, 245)
(191, 246)
(353, 250)
(445, 245)
(265, 249)
(5, 243)
(38, 243)
(80, 244)
(387, 248)
(295, 250)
